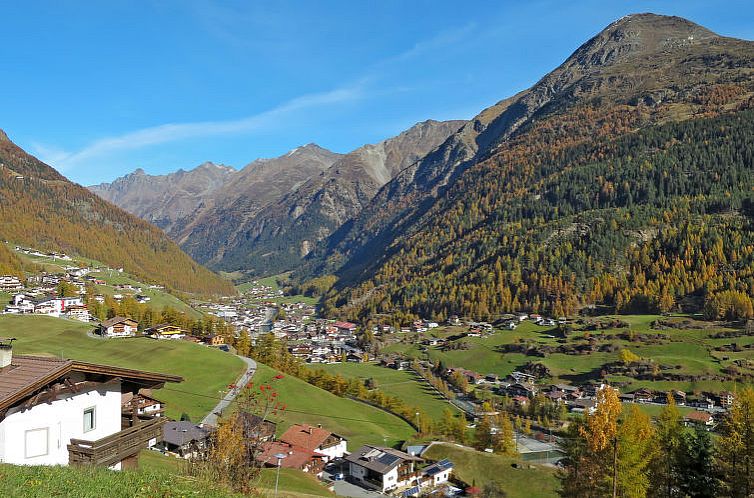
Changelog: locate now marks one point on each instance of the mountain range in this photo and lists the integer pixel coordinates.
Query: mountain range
(41, 208)
(621, 178)
(267, 216)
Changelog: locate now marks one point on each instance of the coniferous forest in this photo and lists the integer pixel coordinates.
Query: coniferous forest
(590, 207)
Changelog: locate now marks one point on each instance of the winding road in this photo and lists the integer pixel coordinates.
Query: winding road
(251, 367)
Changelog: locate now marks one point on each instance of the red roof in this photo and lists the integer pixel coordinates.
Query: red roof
(305, 436)
(296, 456)
(699, 416)
(345, 325)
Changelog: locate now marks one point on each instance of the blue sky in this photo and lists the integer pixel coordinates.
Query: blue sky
(98, 89)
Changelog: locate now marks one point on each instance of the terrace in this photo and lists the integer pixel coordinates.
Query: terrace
(135, 435)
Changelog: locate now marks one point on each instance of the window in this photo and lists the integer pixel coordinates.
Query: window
(35, 443)
(89, 420)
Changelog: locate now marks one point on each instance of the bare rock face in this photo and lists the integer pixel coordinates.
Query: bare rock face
(273, 212)
(287, 230)
(165, 199)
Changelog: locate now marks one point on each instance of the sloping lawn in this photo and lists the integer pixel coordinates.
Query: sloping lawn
(358, 422)
(477, 468)
(403, 384)
(207, 371)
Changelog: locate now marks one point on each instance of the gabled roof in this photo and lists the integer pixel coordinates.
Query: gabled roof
(180, 433)
(116, 320)
(161, 326)
(296, 457)
(29, 374)
(438, 467)
(305, 436)
(378, 459)
(697, 416)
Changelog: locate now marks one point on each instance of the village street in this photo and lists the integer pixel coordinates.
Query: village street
(251, 367)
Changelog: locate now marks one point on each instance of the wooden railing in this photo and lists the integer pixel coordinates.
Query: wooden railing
(116, 447)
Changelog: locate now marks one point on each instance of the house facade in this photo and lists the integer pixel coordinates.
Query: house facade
(382, 469)
(118, 326)
(317, 440)
(59, 412)
(165, 331)
(184, 439)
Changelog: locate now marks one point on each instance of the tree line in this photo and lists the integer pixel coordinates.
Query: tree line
(619, 452)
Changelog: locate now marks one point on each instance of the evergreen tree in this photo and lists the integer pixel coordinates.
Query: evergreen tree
(696, 474)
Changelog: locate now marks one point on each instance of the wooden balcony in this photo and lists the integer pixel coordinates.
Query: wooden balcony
(116, 447)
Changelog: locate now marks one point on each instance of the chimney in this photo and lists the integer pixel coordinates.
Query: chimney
(6, 351)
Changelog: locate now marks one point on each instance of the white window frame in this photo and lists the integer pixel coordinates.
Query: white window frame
(47, 442)
(92, 409)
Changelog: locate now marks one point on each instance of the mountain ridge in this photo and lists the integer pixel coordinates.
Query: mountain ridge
(39, 207)
(638, 73)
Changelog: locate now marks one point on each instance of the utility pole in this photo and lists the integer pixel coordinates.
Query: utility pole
(280, 457)
(615, 467)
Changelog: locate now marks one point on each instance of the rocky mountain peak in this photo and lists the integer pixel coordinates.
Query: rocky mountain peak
(638, 35)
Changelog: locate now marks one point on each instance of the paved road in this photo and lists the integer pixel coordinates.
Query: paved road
(251, 367)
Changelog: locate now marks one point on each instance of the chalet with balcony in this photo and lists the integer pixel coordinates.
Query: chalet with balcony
(383, 469)
(118, 326)
(213, 340)
(144, 403)
(317, 440)
(184, 439)
(165, 331)
(296, 457)
(59, 412)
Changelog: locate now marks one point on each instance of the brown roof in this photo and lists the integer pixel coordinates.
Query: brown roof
(116, 320)
(697, 416)
(305, 436)
(378, 459)
(296, 456)
(28, 374)
(27, 371)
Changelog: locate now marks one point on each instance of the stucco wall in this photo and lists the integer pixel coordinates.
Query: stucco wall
(64, 420)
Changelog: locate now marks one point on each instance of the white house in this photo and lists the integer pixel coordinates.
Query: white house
(55, 306)
(58, 412)
(10, 282)
(436, 474)
(21, 304)
(383, 469)
(118, 326)
(80, 313)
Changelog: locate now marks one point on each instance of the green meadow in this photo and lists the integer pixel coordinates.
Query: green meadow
(206, 371)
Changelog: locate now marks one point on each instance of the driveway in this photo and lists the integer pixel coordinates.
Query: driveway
(345, 488)
(251, 367)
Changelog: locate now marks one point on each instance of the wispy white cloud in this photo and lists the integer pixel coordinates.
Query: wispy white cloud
(66, 161)
(437, 42)
(171, 132)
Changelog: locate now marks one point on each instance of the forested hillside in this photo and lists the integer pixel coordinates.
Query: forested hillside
(616, 180)
(40, 208)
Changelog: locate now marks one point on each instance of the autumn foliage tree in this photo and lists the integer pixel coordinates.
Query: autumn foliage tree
(231, 460)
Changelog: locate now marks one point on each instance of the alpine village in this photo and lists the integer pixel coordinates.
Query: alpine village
(550, 296)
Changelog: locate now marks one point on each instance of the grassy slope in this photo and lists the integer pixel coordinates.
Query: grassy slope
(43, 482)
(160, 298)
(205, 370)
(292, 483)
(403, 384)
(477, 468)
(356, 421)
(688, 351)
